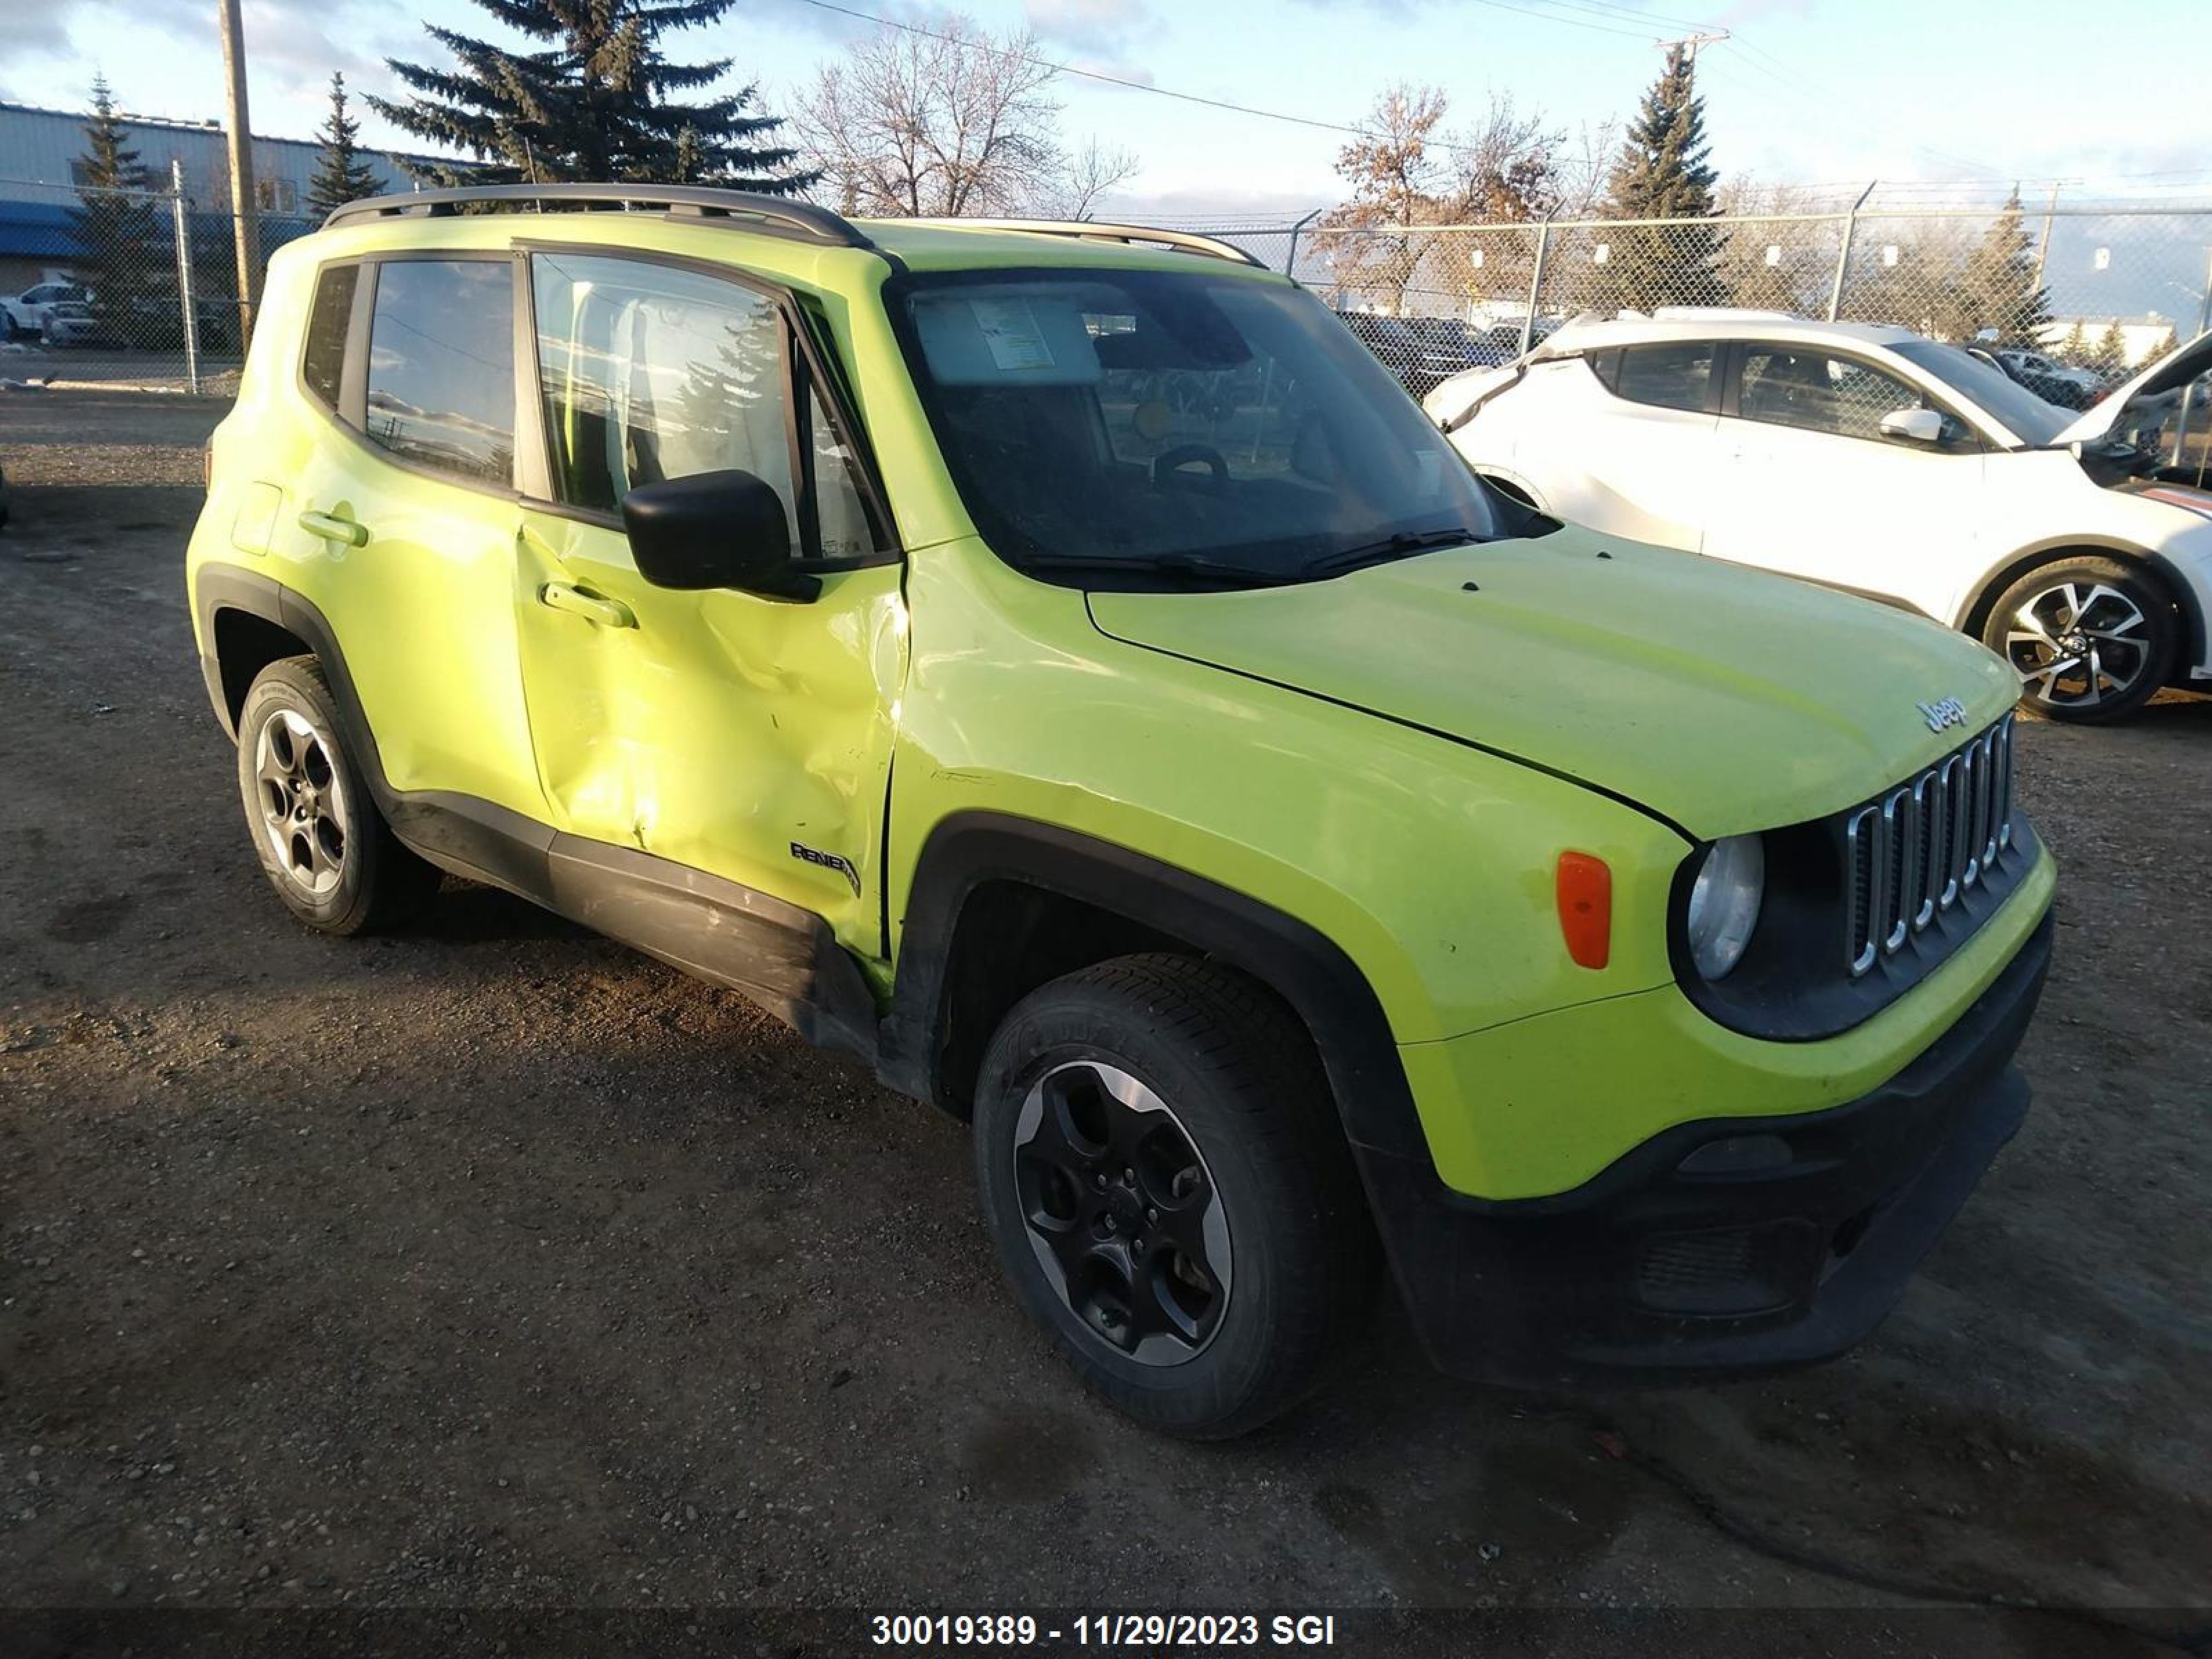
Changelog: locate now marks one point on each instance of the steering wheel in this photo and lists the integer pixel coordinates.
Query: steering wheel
(1182, 455)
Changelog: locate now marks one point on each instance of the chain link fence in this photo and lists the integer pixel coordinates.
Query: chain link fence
(2067, 300)
(124, 286)
(142, 287)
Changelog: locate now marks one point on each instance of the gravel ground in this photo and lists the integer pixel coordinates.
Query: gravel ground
(494, 1265)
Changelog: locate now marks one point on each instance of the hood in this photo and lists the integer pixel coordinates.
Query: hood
(1452, 402)
(2169, 373)
(1723, 700)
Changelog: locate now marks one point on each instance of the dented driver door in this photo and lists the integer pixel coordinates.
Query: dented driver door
(745, 736)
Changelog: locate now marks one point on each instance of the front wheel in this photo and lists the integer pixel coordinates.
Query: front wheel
(2091, 638)
(1159, 1164)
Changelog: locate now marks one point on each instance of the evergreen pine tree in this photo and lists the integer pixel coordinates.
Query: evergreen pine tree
(596, 103)
(2111, 356)
(341, 173)
(1663, 173)
(122, 254)
(1997, 287)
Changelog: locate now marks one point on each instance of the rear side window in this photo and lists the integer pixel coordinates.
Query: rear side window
(322, 365)
(442, 366)
(1672, 374)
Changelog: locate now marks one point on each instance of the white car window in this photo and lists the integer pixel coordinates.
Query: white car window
(1808, 389)
(1668, 375)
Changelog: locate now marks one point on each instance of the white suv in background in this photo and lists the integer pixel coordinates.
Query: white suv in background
(1868, 458)
(24, 316)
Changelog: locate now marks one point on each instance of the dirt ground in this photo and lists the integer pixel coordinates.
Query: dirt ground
(494, 1265)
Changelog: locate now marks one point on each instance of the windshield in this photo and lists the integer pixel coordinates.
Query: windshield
(1143, 425)
(2026, 415)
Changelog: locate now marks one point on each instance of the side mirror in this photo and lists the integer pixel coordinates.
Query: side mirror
(715, 530)
(1918, 426)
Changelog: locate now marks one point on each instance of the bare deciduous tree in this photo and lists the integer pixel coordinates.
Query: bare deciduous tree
(1085, 175)
(940, 125)
(1403, 174)
(1579, 175)
(1503, 169)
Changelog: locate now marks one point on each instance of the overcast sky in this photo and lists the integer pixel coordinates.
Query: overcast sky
(1981, 92)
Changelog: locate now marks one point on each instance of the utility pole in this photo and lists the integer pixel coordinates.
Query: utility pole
(2049, 213)
(241, 171)
(1690, 43)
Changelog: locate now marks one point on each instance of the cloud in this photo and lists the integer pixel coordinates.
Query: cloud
(300, 40)
(1102, 27)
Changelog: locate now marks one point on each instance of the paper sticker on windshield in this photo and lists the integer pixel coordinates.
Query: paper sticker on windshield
(1010, 328)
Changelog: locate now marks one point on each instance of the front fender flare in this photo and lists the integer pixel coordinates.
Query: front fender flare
(1322, 985)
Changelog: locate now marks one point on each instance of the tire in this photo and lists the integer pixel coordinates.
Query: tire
(322, 843)
(1207, 1295)
(2091, 639)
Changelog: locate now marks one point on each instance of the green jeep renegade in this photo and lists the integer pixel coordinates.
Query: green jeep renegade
(1058, 666)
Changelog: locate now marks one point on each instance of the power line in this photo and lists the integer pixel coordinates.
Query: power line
(1772, 68)
(1036, 62)
(1100, 75)
(1824, 101)
(1633, 14)
(1571, 20)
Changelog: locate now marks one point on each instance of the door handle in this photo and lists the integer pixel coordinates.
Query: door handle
(332, 528)
(566, 596)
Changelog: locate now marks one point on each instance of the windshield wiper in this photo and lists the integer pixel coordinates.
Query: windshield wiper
(1191, 566)
(1402, 544)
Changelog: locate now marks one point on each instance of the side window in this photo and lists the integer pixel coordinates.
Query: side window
(650, 372)
(841, 516)
(442, 366)
(1670, 374)
(322, 361)
(1806, 388)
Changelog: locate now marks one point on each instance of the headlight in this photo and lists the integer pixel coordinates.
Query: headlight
(1724, 903)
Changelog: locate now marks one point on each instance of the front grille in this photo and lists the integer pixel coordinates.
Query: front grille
(1915, 852)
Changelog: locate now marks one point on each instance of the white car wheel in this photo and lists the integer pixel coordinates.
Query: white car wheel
(2091, 639)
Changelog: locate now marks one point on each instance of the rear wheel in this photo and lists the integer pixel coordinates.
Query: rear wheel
(322, 843)
(1160, 1167)
(2091, 638)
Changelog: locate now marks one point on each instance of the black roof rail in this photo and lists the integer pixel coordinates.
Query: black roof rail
(1091, 230)
(772, 214)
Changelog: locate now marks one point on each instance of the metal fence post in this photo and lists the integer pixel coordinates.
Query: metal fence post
(1291, 260)
(2189, 391)
(184, 276)
(1844, 258)
(1536, 282)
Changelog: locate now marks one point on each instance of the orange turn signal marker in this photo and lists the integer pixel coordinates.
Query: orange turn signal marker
(1584, 890)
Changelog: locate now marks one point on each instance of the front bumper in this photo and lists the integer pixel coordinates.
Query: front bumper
(1651, 1275)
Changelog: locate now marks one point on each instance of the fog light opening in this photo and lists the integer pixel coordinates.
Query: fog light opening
(1738, 1155)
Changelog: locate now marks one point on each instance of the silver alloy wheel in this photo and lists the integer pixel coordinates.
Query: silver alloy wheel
(304, 816)
(2073, 651)
(1122, 1212)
